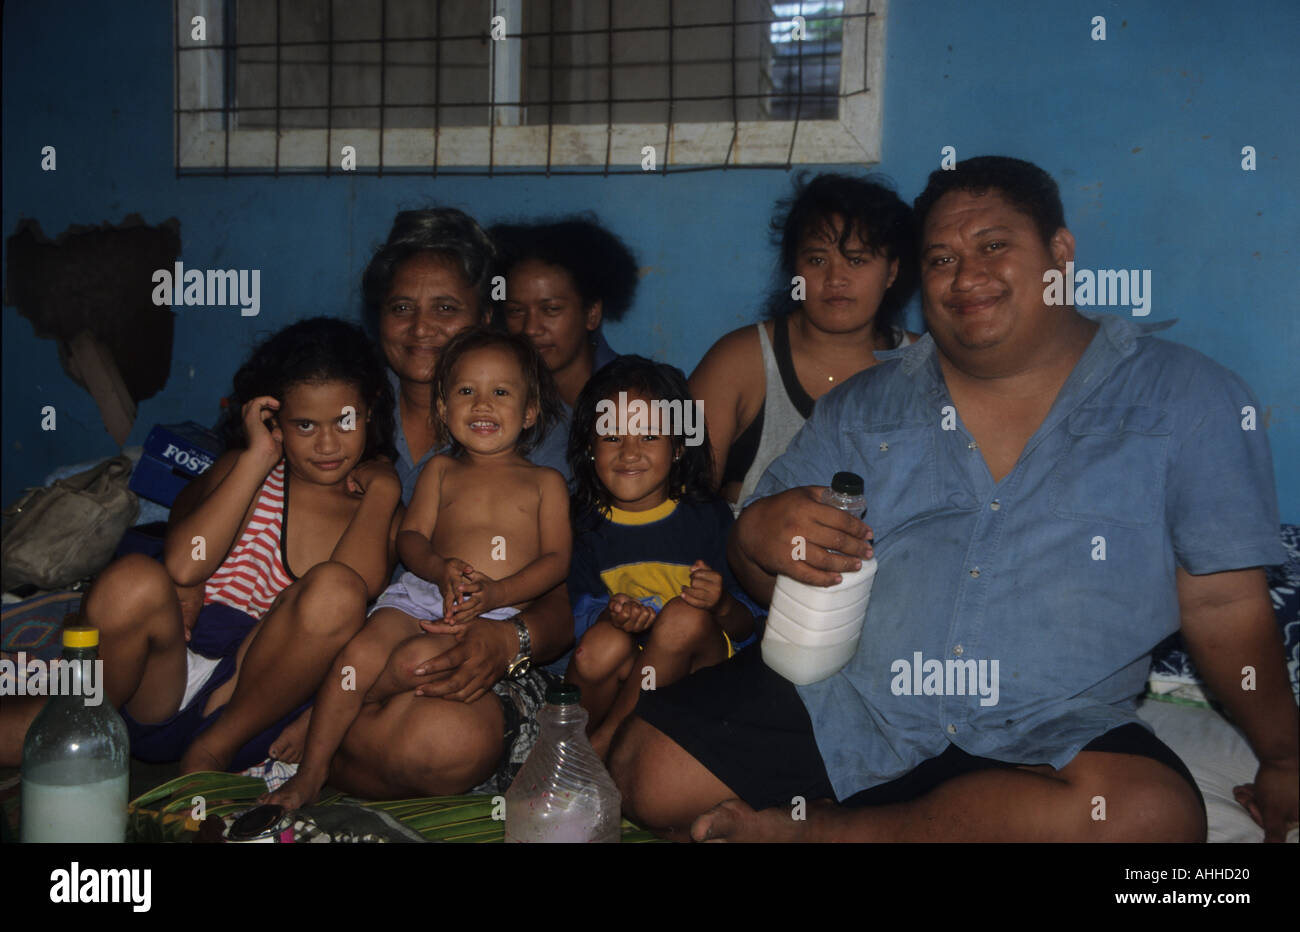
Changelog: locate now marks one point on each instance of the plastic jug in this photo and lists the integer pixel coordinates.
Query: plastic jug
(563, 793)
(76, 755)
(813, 631)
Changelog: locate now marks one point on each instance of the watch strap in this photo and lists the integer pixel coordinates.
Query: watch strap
(522, 660)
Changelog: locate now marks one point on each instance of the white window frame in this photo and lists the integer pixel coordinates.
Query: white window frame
(203, 145)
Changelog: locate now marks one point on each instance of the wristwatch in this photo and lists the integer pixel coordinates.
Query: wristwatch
(523, 661)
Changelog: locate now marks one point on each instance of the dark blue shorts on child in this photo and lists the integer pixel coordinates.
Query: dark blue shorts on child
(218, 633)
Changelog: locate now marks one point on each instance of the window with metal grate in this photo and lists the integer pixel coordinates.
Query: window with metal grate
(484, 86)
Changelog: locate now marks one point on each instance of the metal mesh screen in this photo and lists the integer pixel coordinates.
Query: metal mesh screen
(284, 85)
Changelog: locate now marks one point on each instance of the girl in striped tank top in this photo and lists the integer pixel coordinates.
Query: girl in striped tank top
(270, 557)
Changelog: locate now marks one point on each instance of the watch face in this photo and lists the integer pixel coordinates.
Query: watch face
(519, 668)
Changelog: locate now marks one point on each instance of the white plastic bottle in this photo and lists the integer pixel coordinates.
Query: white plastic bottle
(812, 631)
(76, 756)
(563, 793)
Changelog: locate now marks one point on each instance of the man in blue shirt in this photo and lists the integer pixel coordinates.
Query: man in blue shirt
(1051, 495)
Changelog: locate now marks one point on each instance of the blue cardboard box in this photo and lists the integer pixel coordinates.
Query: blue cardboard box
(173, 455)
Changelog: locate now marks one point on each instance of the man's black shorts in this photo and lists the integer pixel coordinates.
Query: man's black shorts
(749, 728)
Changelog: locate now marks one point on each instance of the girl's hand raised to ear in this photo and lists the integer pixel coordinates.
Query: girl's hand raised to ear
(378, 471)
(265, 440)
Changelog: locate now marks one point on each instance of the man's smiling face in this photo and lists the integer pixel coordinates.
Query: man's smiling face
(982, 265)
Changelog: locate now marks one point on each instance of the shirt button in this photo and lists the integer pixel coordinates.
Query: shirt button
(995, 504)
(975, 572)
(952, 729)
(958, 650)
(884, 447)
(972, 445)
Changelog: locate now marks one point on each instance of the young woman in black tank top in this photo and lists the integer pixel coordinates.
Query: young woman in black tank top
(851, 241)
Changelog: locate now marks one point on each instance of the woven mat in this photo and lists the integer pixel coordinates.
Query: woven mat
(165, 814)
(33, 625)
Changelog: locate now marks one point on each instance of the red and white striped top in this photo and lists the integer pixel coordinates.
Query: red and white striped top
(253, 573)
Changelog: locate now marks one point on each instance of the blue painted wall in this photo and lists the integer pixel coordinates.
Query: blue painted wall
(1143, 131)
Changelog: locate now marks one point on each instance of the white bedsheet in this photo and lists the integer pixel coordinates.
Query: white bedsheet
(1218, 756)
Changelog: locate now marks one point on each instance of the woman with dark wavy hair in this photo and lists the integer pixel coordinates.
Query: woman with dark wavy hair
(846, 271)
(428, 282)
(320, 349)
(564, 278)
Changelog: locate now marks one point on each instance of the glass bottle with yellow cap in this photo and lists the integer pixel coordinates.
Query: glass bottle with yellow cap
(76, 756)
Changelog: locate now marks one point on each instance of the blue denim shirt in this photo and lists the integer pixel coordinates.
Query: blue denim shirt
(1063, 572)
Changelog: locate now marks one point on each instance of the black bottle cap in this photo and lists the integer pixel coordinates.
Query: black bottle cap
(564, 694)
(847, 483)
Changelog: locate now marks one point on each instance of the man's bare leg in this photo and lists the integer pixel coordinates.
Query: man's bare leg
(663, 787)
(1145, 801)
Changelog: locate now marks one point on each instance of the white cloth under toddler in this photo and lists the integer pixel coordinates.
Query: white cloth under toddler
(422, 599)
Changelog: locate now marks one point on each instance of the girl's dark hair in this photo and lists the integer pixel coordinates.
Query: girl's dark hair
(602, 267)
(871, 210)
(320, 349)
(689, 478)
(541, 386)
(445, 231)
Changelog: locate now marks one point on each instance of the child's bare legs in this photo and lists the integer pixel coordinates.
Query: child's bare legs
(282, 661)
(366, 671)
(133, 603)
(289, 744)
(683, 639)
(601, 662)
(356, 669)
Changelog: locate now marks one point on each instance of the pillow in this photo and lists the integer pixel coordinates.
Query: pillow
(1173, 675)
